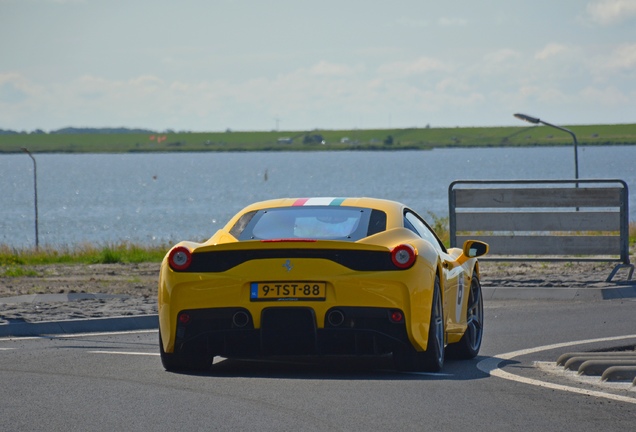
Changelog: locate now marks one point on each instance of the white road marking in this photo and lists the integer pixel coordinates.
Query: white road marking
(491, 367)
(434, 374)
(74, 335)
(78, 335)
(124, 353)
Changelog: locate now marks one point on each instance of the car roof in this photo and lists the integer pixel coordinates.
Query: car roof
(394, 210)
(387, 206)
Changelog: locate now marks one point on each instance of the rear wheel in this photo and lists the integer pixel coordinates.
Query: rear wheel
(174, 362)
(469, 345)
(431, 360)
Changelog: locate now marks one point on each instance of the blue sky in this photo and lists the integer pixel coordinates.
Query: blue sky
(210, 65)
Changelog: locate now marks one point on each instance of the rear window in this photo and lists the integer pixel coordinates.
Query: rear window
(310, 222)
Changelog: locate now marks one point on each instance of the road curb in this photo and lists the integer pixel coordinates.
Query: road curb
(93, 325)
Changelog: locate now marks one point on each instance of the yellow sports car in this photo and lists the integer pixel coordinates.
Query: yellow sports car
(321, 276)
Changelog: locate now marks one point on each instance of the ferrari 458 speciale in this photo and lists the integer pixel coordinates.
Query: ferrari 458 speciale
(321, 277)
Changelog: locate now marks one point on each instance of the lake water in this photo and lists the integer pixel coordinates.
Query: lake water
(163, 198)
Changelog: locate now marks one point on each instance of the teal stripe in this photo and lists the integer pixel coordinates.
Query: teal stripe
(337, 201)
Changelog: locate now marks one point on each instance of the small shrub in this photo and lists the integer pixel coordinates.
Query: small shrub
(441, 228)
(109, 256)
(17, 271)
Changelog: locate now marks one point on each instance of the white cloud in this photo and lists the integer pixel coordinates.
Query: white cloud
(502, 56)
(61, 2)
(419, 66)
(608, 12)
(550, 50)
(15, 88)
(615, 65)
(411, 23)
(452, 84)
(452, 22)
(331, 69)
(622, 58)
(610, 96)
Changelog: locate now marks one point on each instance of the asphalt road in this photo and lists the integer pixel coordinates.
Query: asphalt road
(114, 381)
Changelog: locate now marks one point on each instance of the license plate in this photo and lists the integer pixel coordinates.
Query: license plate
(287, 291)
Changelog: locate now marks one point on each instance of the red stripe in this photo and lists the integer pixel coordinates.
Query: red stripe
(300, 202)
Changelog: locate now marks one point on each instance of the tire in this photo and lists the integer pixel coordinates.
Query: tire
(470, 343)
(431, 360)
(177, 362)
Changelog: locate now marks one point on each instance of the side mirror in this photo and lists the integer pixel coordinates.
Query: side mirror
(475, 248)
(471, 249)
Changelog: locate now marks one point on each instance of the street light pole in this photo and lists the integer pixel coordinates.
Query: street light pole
(35, 190)
(536, 120)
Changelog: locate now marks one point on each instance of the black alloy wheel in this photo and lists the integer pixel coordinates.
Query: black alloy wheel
(469, 345)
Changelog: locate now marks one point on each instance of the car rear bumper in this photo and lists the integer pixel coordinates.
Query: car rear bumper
(230, 332)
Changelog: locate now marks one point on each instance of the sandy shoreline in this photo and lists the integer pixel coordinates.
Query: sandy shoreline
(131, 289)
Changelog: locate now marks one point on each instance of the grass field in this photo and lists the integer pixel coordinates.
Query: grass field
(373, 139)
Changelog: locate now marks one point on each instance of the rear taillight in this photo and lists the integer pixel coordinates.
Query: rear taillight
(184, 318)
(403, 256)
(396, 316)
(180, 258)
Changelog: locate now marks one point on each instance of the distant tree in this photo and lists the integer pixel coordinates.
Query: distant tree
(121, 130)
(313, 139)
(388, 140)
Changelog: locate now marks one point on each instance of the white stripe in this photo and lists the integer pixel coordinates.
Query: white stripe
(124, 353)
(491, 367)
(319, 201)
(435, 374)
(75, 335)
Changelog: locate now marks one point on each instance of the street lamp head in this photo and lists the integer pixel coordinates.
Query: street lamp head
(535, 120)
(527, 118)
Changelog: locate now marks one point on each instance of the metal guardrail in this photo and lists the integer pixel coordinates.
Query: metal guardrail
(544, 220)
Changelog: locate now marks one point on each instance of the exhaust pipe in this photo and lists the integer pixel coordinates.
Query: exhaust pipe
(335, 318)
(240, 319)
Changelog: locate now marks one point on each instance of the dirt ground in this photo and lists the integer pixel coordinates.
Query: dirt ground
(139, 280)
(129, 290)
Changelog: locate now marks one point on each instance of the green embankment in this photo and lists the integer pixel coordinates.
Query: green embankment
(374, 139)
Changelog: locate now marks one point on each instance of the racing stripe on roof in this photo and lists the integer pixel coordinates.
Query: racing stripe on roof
(337, 201)
(300, 202)
(324, 201)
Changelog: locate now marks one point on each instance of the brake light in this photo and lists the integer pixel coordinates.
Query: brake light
(184, 318)
(403, 256)
(396, 316)
(180, 258)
